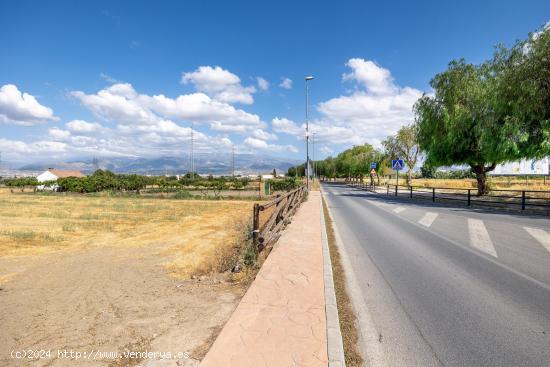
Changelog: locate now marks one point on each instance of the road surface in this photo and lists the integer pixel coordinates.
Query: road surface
(448, 286)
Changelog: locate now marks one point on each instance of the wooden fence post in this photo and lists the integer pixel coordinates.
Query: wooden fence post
(256, 225)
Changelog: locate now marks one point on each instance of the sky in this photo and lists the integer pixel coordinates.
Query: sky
(82, 79)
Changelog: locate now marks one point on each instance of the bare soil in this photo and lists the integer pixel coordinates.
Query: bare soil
(108, 299)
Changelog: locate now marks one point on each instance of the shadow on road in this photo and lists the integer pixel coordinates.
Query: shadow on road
(454, 206)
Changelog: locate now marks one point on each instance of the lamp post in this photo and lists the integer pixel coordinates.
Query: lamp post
(313, 154)
(308, 78)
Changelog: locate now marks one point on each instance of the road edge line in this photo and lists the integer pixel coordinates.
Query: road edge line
(370, 347)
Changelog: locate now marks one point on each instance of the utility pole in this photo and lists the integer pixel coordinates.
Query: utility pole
(95, 164)
(192, 153)
(233, 160)
(308, 78)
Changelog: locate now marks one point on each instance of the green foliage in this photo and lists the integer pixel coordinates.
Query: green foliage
(20, 182)
(428, 171)
(404, 145)
(285, 184)
(483, 115)
(353, 162)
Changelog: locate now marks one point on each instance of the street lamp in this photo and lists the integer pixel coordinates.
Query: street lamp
(313, 156)
(308, 78)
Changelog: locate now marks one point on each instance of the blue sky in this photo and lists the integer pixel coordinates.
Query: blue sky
(128, 78)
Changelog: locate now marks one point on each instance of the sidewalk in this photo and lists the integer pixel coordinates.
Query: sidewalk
(281, 320)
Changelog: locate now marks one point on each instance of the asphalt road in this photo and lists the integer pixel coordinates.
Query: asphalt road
(448, 286)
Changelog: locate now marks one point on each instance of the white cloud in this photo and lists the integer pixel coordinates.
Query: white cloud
(81, 126)
(57, 133)
(374, 78)
(220, 84)
(375, 109)
(22, 108)
(286, 126)
(286, 83)
(200, 108)
(262, 83)
(263, 135)
(108, 78)
(258, 144)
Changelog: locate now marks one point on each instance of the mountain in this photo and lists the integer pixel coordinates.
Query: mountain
(216, 164)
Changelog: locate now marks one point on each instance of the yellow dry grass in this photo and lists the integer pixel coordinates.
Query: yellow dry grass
(196, 236)
(497, 183)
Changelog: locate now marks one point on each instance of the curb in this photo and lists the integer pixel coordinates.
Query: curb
(335, 346)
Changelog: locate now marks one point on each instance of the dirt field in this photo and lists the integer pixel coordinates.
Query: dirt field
(105, 276)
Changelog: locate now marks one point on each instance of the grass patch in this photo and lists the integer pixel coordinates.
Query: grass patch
(20, 235)
(348, 320)
(194, 237)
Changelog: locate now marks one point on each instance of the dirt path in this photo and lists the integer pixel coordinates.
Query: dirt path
(108, 300)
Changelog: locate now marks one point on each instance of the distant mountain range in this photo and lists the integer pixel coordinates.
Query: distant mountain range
(205, 164)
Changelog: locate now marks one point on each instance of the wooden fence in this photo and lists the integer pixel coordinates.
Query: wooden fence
(272, 217)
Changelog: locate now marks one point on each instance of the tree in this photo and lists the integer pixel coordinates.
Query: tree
(524, 92)
(459, 124)
(496, 112)
(404, 145)
(428, 171)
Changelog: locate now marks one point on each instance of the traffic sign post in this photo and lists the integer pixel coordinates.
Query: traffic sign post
(397, 165)
(373, 165)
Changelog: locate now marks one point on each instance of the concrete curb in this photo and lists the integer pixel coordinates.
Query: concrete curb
(335, 346)
(369, 347)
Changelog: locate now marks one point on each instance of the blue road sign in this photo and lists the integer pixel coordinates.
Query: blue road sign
(397, 164)
(373, 165)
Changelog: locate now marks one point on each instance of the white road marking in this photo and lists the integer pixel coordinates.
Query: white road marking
(479, 237)
(428, 219)
(399, 209)
(540, 235)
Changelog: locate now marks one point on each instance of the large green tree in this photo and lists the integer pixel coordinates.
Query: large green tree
(483, 115)
(404, 145)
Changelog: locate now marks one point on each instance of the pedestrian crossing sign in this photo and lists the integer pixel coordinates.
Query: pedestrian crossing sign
(397, 164)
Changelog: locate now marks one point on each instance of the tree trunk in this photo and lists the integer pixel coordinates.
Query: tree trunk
(481, 177)
(409, 177)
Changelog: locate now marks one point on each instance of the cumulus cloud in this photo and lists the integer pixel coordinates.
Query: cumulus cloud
(373, 77)
(262, 83)
(220, 84)
(121, 103)
(22, 108)
(286, 83)
(376, 108)
(83, 127)
(57, 133)
(258, 144)
(286, 126)
(263, 135)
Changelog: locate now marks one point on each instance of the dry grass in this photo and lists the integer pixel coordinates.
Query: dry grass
(199, 236)
(497, 183)
(348, 320)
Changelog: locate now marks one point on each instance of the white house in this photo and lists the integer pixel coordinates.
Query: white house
(53, 174)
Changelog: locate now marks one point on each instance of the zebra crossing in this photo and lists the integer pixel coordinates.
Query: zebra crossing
(428, 219)
(478, 235)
